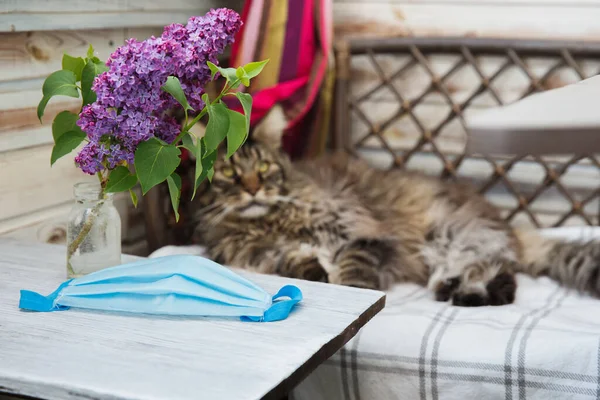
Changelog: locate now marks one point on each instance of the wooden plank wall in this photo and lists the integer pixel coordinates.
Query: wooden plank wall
(519, 19)
(34, 34)
(548, 19)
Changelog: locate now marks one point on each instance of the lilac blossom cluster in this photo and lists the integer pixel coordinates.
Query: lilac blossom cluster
(131, 107)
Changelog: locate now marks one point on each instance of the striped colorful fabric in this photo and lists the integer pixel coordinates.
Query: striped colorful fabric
(296, 36)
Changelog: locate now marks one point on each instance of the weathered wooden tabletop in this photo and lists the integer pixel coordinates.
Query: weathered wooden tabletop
(79, 354)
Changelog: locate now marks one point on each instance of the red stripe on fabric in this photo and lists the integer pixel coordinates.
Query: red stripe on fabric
(265, 99)
(289, 63)
(294, 104)
(322, 67)
(306, 52)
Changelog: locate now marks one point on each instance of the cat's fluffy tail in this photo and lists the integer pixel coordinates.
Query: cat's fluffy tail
(575, 264)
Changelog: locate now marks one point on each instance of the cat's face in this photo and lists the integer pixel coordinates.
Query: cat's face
(252, 182)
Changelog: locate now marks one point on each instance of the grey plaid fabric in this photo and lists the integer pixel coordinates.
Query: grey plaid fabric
(545, 346)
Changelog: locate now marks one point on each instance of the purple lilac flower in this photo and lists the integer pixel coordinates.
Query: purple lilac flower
(89, 158)
(118, 154)
(130, 106)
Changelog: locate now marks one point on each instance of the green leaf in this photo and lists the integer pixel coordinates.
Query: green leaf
(203, 164)
(173, 87)
(242, 76)
(239, 72)
(213, 69)
(210, 174)
(236, 135)
(174, 182)
(59, 83)
(154, 162)
(209, 160)
(65, 144)
(134, 198)
(197, 149)
(206, 100)
(227, 73)
(100, 65)
(64, 121)
(254, 68)
(218, 125)
(246, 101)
(188, 143)
(87, 79)
(74, 64)
(90, 71)
(90, 52)
(120, 180)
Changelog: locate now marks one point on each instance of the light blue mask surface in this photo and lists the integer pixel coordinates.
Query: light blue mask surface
(173, 285)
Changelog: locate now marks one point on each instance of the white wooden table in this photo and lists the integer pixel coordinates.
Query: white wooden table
(79, 354)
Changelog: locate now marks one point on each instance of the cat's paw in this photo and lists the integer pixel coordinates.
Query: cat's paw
(312, 270)
(499, 291)
(361, 263)
(473, 299)
(358, 276)
(461, 295)
(445, 289)
(302, 265)
(480, 284)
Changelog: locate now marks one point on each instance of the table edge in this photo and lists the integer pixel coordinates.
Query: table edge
(325, 352)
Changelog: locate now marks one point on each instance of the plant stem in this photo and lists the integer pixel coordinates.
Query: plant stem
(197, 118)
(87, 226)
(85, 230)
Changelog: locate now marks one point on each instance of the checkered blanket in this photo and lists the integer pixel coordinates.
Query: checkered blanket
(544, 346)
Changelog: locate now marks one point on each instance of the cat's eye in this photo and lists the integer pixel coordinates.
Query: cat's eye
(228, 172)
(263, 166)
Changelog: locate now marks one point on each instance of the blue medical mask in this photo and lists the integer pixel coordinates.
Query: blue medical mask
(173, 285)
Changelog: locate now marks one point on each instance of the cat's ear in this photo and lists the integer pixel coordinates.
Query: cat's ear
(269, 131)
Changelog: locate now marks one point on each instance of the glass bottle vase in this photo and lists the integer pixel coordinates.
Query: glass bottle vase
(93, 231)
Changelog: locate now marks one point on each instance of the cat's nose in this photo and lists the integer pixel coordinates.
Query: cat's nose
(251, 183)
